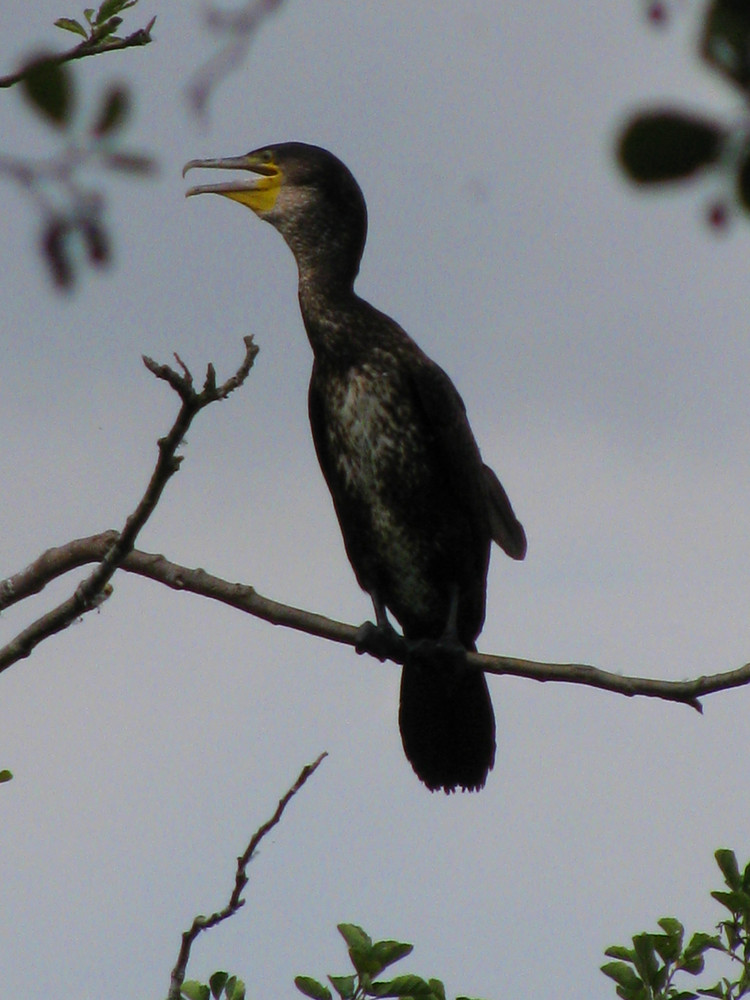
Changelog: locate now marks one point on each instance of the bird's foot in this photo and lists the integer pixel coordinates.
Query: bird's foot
(381, 641)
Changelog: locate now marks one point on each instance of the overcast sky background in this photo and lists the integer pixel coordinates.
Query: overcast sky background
(599, 339)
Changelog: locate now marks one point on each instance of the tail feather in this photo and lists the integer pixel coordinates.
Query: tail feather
(447, 725)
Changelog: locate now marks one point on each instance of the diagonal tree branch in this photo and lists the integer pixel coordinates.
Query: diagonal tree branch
(88, 47)
(201, 923)
(95, 588)
(57, 561)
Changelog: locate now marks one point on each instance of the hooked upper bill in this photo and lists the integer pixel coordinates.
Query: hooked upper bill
(258, 193)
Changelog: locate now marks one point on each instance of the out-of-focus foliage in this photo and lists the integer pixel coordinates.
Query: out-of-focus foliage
(662, 145)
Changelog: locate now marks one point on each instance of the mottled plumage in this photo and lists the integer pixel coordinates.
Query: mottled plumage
(418, 508)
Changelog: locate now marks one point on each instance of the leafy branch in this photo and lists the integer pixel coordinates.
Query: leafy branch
(370, 959)
(75, 212)
(650, 969)
(98, 38)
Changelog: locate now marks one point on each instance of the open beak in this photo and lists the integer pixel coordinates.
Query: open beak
(258, 193)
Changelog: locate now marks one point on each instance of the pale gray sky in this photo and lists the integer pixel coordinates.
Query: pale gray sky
(599, 340)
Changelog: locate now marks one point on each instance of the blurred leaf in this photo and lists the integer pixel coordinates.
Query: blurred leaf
(132, 163)
(55, 250)
(104, 30)
(344, 986)
(217, 982)
(312, 988)
(89, 14)
(193, 990)
(97, 241)
(727, 862)
(49, 87)
(113, 111)
(726, 39)
(70, 24)
(5, 775)
(667, 145)
(109, 8)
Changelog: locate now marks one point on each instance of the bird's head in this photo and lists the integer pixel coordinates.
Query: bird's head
(303, 191)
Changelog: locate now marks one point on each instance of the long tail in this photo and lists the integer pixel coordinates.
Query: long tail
(447, 724)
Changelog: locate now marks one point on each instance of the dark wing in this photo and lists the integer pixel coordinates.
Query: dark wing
(471, 479)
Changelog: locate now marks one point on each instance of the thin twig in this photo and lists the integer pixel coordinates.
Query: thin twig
(57, 561)
(95, 588)
(86, 48)
(236, 902)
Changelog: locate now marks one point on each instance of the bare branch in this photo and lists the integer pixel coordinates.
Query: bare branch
(95, 588)
(239, 27)
(88, 47)
(201, 923)
(55, 562)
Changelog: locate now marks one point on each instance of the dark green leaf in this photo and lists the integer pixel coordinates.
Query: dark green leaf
(108, 9)
(646, 962)
(102, 31)
(193, 990)
(727, 862)
(354, 936)
(89, 15)
(132, 163)
(726, 40)
(402, 986)
(693, 966)
(235, 989)
(668, 145)
(6, 775)
(438, 989)
(714, 991)
(49, 87)
(623, 975)
(312, 988)
(344, 986)
(113, 111)
(700, 942)
(385, 953)
(667, 946)
(672, 927)
(56, 253)
(70, 24)
(618, 951)
(217, 982)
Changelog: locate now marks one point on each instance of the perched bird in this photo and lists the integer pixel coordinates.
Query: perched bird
(417, 507)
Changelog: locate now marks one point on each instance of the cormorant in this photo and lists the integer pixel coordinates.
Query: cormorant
(417, 507)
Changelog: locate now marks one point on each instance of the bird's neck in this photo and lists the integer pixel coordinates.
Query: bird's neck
(329, 309)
